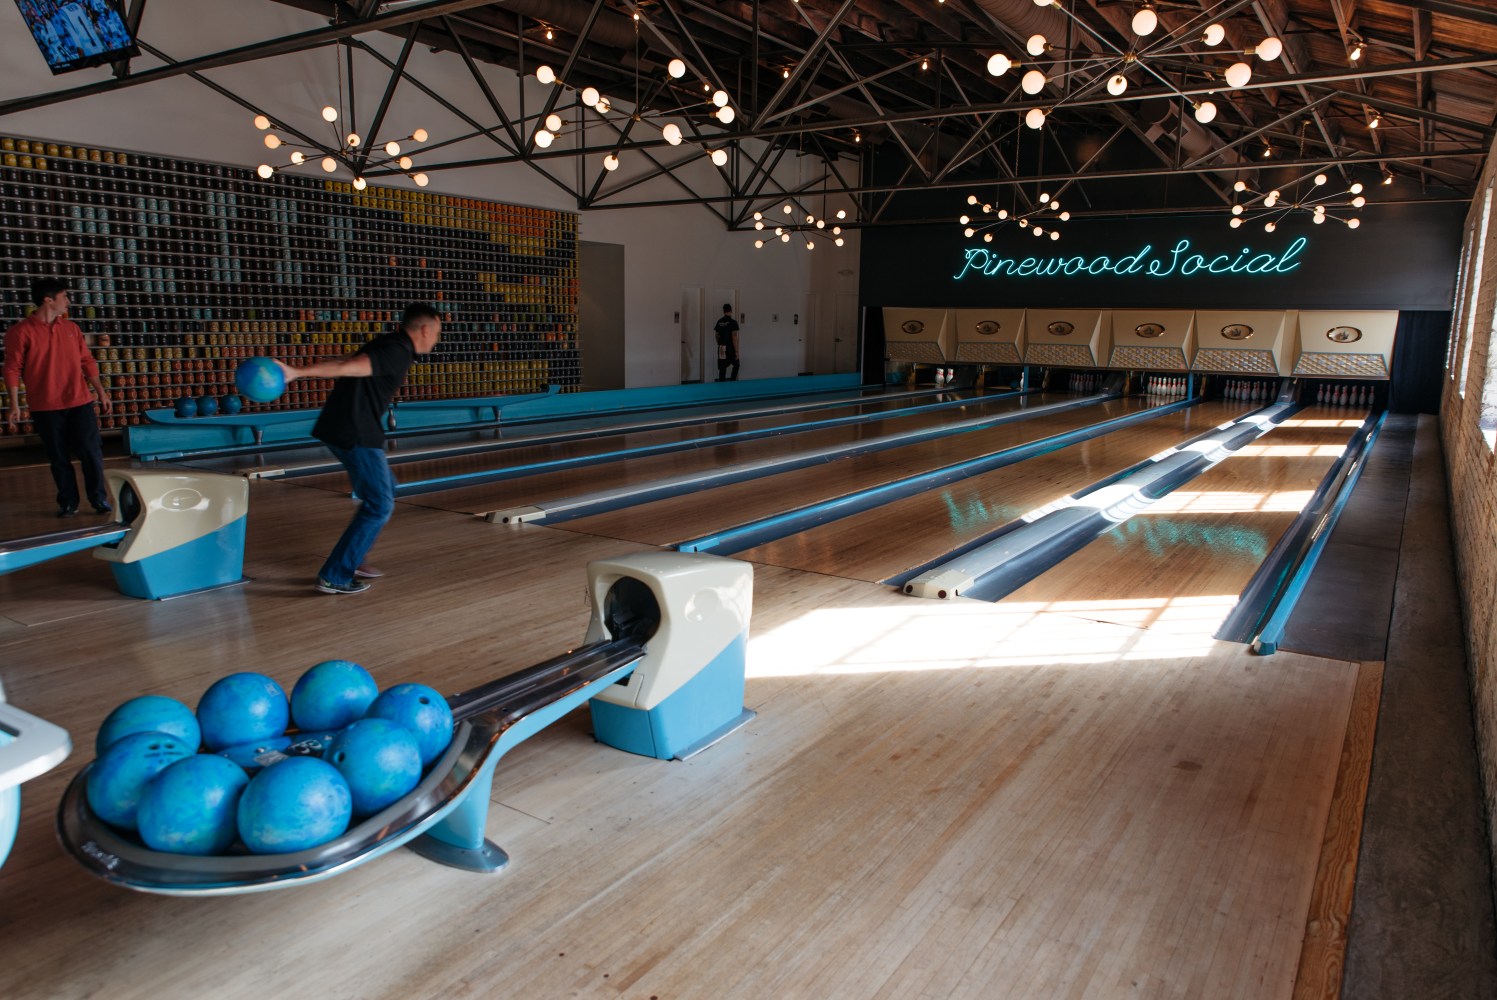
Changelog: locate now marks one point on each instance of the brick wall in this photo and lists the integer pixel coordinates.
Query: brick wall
(1468, 419)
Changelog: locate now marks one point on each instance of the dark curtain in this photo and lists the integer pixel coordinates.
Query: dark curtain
(1418, 361)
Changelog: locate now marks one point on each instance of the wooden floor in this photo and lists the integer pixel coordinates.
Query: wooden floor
(937, 800)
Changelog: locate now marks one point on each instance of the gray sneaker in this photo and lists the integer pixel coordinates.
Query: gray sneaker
(351, 587)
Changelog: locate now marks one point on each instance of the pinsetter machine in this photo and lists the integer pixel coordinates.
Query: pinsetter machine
(174, 534)
(662, 665)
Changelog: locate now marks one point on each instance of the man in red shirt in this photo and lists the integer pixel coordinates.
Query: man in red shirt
(46, 350)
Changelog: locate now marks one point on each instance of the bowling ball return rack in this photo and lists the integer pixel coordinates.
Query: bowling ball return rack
(662, 665)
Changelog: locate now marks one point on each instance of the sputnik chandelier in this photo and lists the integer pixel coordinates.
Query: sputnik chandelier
(350, 149)
(555, 126)
(1047, 212)
(809, 231)
(1315, 199)
(1113, 66)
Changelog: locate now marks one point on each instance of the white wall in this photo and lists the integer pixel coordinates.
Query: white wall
(665, 248)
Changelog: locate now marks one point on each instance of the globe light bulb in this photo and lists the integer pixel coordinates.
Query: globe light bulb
(1116, 84)
(265, 170)
(1356, 188)
(272, 141)
(353, 140)
(359, 184)
(1065, 216)
(1358, 201)
(554, 123)
(1238, 74)
(758, 244)
(1236, 222)
(1271, 200)
(406, 163)
(1044, 197)
(543, 138)
(1270, 227)
(297, 157)
(836, 230)
(786, 209)
(1145, 21)
(972, 199)
(841, 213)
(420, 135)
(1320, 179)
(1240, 186)
(1003, 213)
(1318, 218)
(421, 180)
(545, 74)
(329, 114)
(1387, 178)
(591, 96)
(329, 164)
(758, 225)
(810, 219)
(784, 237)
(1269, 49)
(604, 106)
(1037, 231)
(969, 232)
(262, 123)
(610, 162)
(720, 157)
(839, 241)
(392, 148)
(810, 245)
(1213, 34)
(720, 98)
(1035, 118)
(965, 219)
(820, 223)
(987, 237)
(1236, 209)
(1206, 112)
(999, 64)
(676, 68)
(1353, 223)
(1032, 82)
(726, 115)
(671, 133)
(1055, 234)
(988, 208)
(1036, 45)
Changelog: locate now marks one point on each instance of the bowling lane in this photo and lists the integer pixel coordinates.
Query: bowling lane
(679, 518)
(1181, 564)
(410, 471)
(877, 544)
(553, 485)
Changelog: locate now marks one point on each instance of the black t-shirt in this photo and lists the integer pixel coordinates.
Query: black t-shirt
(725, 328)
(354, 414)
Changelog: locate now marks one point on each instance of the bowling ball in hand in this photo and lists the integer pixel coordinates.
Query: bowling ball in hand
(261, 379)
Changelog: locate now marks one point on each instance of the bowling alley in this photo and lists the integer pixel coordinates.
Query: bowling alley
(811, 499)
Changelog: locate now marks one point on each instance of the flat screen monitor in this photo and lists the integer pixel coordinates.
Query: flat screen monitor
(74, 34)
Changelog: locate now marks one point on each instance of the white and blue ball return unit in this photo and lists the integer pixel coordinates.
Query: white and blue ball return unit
(173, 534)
(29, 747)
(662, 666)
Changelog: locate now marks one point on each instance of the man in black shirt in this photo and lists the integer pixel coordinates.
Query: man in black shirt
(726, 330)
(352, 426)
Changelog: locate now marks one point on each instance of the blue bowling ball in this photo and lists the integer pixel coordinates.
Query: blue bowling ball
(120, 775)
(241, 708)
(192, 807)
(293, 805)
(150, 713)
(207, 406)
(331, 695)
(257, 754)
(261, 379)
(380, 761)
(231, 405)
(186, 407)
(421, 710)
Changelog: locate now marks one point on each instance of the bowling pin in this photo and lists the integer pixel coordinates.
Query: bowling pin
(1320, 394)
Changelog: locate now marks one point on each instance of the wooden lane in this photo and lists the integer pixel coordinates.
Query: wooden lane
(934, 799)
(28, 501)
(877, 544)
(667, 521)
(710, 425)
(531, 489)
(1182, 563)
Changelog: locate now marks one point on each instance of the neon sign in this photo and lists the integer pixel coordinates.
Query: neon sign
(1178, 262)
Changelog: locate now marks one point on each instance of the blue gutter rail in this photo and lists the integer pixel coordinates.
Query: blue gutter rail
(1262, 613)
(479, 477)
(900, 579)
(992, 571)
(317, 466)
(767, 529)
(20, 553)
(602, 501)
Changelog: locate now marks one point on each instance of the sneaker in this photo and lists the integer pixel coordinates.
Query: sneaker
(67, 511)
(351, 587)
(369, 572)
(103, 508)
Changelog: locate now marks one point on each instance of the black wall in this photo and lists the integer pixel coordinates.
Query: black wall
(1402, 257)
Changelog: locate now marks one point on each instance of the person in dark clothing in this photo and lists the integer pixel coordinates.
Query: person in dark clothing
(726, 330)
(46, 350)
(352, 426)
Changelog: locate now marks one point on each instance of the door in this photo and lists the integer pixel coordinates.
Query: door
(845, 333)
(690, 320)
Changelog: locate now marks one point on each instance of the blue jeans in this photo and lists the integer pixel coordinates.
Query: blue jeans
(375, 486)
